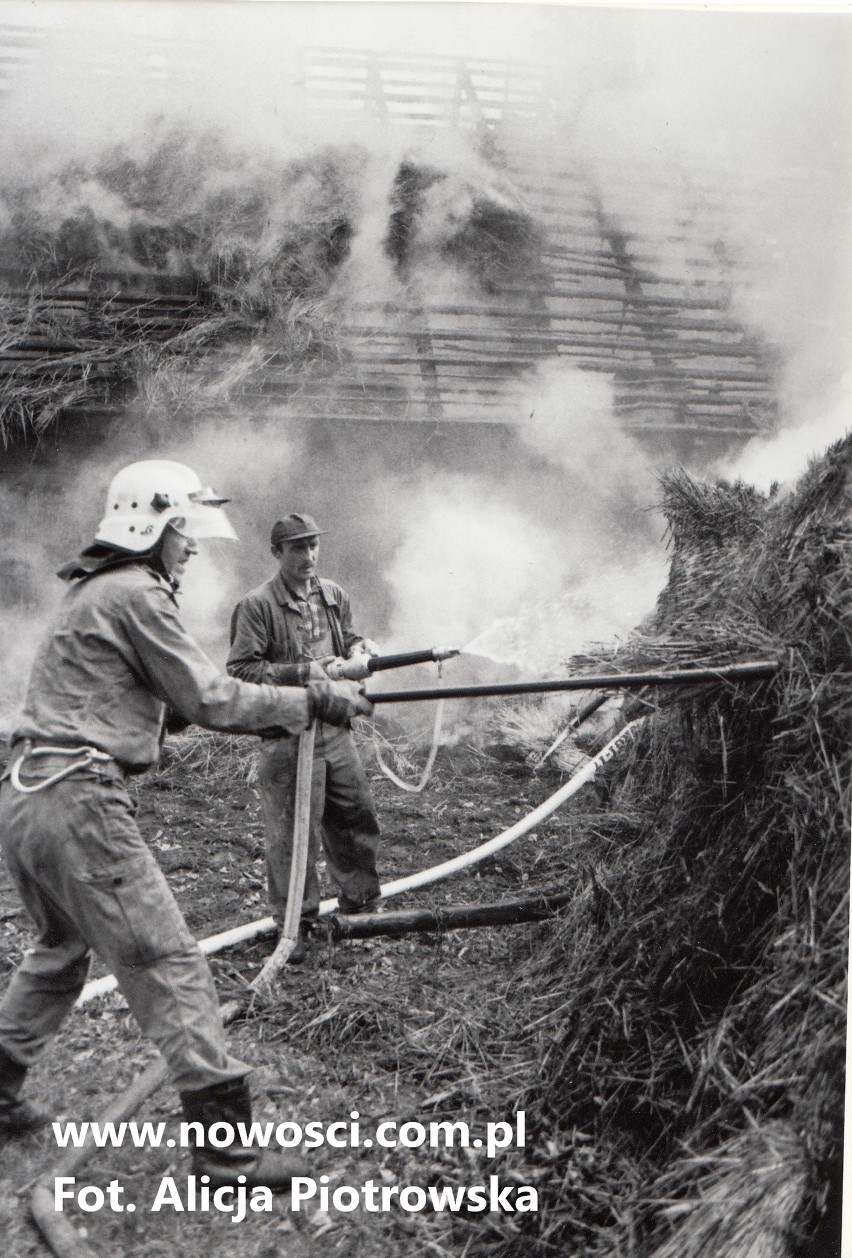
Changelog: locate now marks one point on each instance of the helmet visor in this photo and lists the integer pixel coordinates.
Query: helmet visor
(202, 521)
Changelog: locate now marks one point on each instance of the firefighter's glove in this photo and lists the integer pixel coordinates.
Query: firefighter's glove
(353, 669)
(337, 701)
(368, 646)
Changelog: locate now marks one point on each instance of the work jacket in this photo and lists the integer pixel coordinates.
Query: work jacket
(266, 641)
(118, 657)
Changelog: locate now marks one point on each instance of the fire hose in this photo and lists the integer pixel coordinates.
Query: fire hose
(752, 670)
(56, 1229)
(58, 1232)
(436, 873)
(298, 866)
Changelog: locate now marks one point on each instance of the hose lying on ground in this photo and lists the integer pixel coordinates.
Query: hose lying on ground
(413, 788)
(265, 925)
(56, 1229)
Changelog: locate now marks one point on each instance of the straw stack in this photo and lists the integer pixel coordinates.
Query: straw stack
(692, 1045)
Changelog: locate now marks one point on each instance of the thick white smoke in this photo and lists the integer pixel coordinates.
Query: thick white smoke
(468, 554)
(782, 458)
(551, 553)
(732, 130)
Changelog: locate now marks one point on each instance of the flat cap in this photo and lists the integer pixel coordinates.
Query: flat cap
(294, 527)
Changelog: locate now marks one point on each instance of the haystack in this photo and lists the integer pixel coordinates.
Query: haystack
(471, 225)
(689, 1096)
(90, 253)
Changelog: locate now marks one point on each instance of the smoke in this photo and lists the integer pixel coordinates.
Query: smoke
(569, 419)
(181, 144)
(467, 555)
(783, 458)
(737, 128)
(28, 599)
(536, 559)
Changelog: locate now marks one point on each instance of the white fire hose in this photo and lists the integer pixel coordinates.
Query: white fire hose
(58, 1231)
(298, 867)
(265, 925)
(413, 788)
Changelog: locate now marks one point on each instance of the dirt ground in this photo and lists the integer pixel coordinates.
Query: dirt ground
(385, 1027)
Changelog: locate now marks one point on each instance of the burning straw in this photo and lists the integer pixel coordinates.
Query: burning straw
(677, 1037)
(251, 246)
(238, 250)
(691, 1009)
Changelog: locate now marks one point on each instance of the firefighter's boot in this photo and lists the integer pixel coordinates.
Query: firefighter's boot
(231, 1103)
(17, 1117)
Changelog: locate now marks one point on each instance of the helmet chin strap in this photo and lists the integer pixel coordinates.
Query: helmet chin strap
(153, 558)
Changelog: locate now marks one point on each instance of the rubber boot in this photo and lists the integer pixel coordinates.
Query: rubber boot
(231, 1103)
(349, 908)
(300, 947)
(17, 1117)
(299, 951)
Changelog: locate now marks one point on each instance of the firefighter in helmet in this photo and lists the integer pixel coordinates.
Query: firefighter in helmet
(115, 664)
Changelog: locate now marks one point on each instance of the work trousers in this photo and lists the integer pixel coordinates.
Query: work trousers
(90, 883)
(344, 824)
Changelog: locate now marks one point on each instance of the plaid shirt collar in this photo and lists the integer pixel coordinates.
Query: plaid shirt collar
(287, 598)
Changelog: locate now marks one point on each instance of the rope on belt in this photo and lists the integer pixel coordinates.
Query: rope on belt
(90, 755)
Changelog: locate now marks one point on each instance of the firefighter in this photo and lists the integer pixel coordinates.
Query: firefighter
(295, 626)
(116, 663)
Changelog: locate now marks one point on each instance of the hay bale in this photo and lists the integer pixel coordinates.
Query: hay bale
(692, 998)
(259, 242)
(436, 214)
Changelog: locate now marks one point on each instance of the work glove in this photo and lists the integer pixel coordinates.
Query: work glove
(355, 668)
(368, 646)
(337, 701)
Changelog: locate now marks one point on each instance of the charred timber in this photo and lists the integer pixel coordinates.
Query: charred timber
(752, 670)
(454, 917)
(662, 327)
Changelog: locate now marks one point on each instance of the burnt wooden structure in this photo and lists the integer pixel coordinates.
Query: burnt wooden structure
(643, 302)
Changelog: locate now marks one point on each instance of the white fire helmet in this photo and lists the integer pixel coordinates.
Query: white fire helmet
(144, 497)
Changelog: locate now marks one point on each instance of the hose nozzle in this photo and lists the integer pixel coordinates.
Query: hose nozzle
(432, 654)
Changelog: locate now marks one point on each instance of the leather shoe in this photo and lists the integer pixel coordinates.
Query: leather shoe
(349, 908)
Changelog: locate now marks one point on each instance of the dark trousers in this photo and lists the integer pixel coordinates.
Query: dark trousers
(344, 824)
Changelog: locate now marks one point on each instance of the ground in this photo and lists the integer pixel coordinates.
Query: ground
(385, 1027)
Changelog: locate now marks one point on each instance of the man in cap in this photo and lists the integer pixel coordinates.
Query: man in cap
(115, 662)
(295, 628)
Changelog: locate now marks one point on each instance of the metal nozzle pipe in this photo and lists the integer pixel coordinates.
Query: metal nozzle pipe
(753, 670)
(378, 663)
